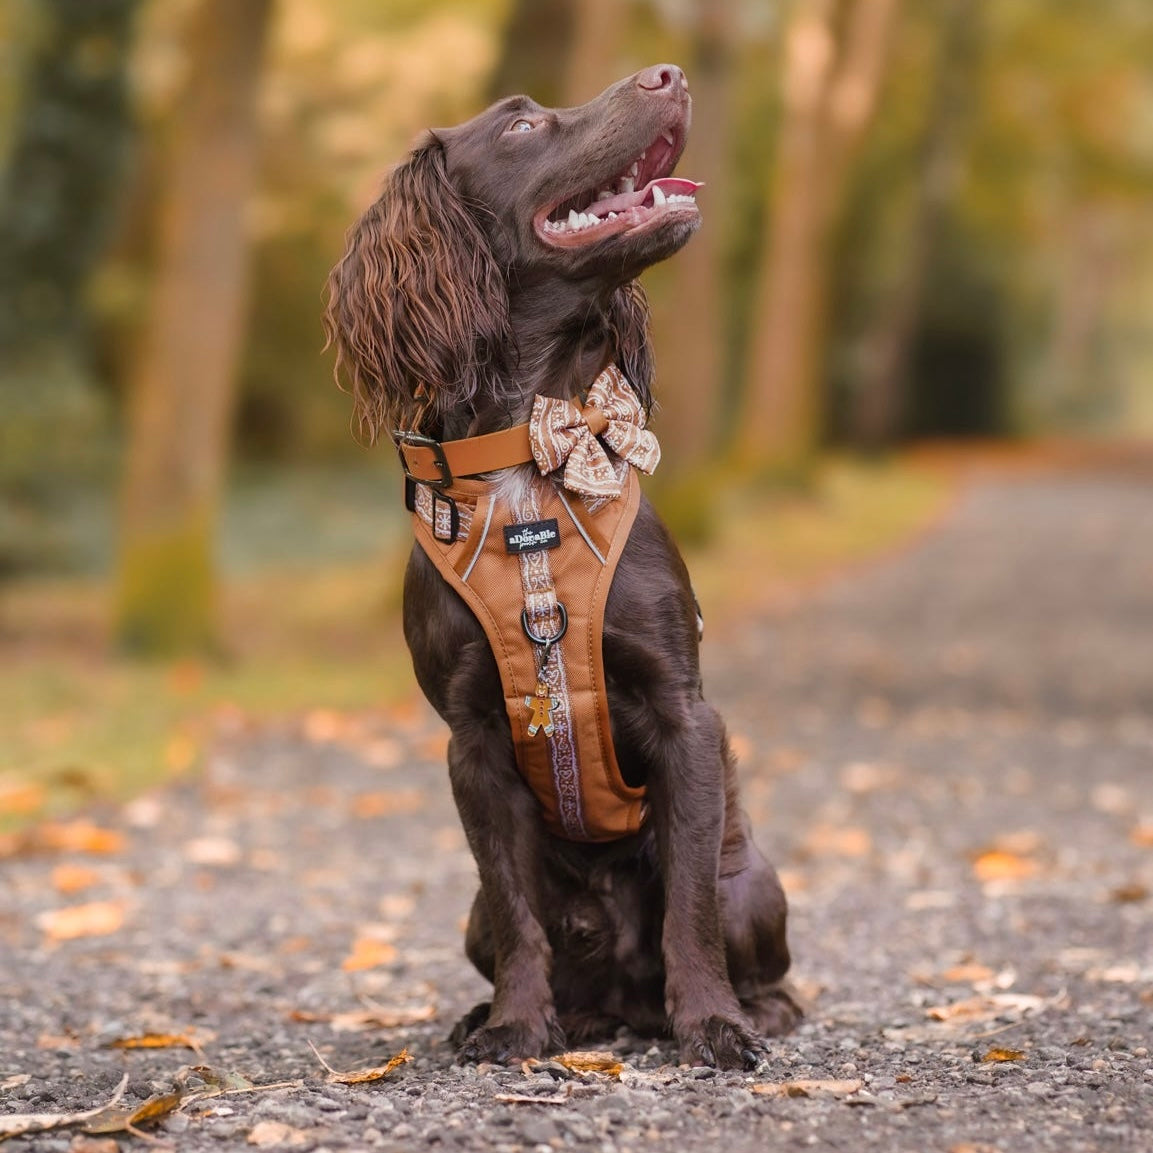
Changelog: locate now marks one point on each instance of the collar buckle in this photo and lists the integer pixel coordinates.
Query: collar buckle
(403, 440)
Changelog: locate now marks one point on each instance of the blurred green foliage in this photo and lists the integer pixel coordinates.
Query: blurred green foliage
(1033, 316)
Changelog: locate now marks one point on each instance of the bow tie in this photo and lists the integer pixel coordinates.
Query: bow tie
(561, 432)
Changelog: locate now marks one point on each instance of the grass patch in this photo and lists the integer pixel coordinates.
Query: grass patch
(78, 723)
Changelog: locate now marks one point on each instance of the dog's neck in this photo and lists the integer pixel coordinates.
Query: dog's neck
(562, 340)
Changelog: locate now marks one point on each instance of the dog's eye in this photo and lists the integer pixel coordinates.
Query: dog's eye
(521, 126)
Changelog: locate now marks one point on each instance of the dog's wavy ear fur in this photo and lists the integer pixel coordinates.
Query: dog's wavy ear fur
(628, 320)
(417, 308)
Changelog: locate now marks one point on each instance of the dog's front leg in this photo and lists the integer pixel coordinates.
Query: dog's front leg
(502, 822)
(687, 794)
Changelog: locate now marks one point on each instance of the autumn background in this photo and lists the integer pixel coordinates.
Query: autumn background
(926, 225)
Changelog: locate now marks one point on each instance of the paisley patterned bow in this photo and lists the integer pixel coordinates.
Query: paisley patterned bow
(563, 433)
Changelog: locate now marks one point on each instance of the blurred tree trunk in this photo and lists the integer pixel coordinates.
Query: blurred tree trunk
(835, 54)
(879, 411)
(592, 58)
(57, 194)
(184, 383)
(536, 50)
(687, 318)
(1074, 393)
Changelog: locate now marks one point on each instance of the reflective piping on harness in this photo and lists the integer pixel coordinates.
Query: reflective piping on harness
(580, 527)
(480, 543)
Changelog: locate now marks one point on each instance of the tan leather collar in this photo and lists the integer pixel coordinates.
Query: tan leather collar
(437, 462)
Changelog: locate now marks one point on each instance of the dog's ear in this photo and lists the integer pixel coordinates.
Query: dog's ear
(417, 308)
(628, 319)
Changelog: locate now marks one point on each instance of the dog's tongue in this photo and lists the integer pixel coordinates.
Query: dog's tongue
(669, 185)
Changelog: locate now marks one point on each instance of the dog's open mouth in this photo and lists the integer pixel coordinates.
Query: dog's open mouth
(638, 196)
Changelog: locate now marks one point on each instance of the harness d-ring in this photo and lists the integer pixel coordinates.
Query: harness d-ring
(546, 642)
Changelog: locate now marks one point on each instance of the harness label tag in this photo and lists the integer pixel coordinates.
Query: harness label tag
(531, 537)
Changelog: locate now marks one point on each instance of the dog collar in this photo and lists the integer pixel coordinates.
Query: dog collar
(560, 434)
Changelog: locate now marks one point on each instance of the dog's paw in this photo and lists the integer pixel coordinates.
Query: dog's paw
(774, 1013)
(500, 1044)
(471, 1021)
(724, 1042)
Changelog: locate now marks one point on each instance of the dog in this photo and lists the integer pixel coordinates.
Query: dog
(499, 265)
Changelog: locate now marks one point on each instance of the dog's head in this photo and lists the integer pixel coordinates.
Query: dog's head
(565, 204)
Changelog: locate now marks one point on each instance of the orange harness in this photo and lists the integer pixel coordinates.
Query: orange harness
(536, 573)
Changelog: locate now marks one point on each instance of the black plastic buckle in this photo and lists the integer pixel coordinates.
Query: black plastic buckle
(453, 518)
(417, 440)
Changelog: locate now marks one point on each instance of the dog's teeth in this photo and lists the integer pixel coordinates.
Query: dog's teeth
(612, 216)
(574, 221)
(658, 196)
(635, 168)
(667, 137)
(628, 184)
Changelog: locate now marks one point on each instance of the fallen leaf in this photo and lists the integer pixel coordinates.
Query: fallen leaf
(156, 1041)
(838, 841)
(218, 852)
(990, 1007)
(999, 1055)
(362, 1076)
(267, 1134)
(1002, 865)
(15, 1081)
(20, 797)
(591, 1062)
(531, 1099)
(966, 1147)
(1142, 835)
(73, 878)
(126, 1120)
(79, 837)
(97, 919)
(1130, 893)
(362, 1020)
(368, 805)
(20, 1124)
(807, 1088)
(368, 953)
(966, 974)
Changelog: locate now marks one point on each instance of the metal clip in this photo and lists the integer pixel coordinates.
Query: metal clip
(546, 642)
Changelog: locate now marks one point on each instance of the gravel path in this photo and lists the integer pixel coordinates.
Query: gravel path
(949, 755)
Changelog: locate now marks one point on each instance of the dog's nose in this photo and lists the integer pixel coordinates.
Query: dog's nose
(662, 76)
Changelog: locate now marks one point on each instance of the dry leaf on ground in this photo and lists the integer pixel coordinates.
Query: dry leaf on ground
(999, 1055)
(275, 1134)
(96, 919)
(78, 837)
(21, 797)
(368, 953)
(966, 974)
(157, 1041)
(1002, 865)
(126, 1120)
(807, 1088)
(838, 841)
(362, 1020)
(16, 1081)
(362, 1076)
(587, 1061)
(20, 1124)
(993, 1006)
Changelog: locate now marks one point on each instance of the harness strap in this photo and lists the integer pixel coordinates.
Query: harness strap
(569, 762)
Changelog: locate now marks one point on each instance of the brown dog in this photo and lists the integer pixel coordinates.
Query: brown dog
(499, 265)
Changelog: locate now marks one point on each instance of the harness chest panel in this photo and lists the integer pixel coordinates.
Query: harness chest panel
(516, 568)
